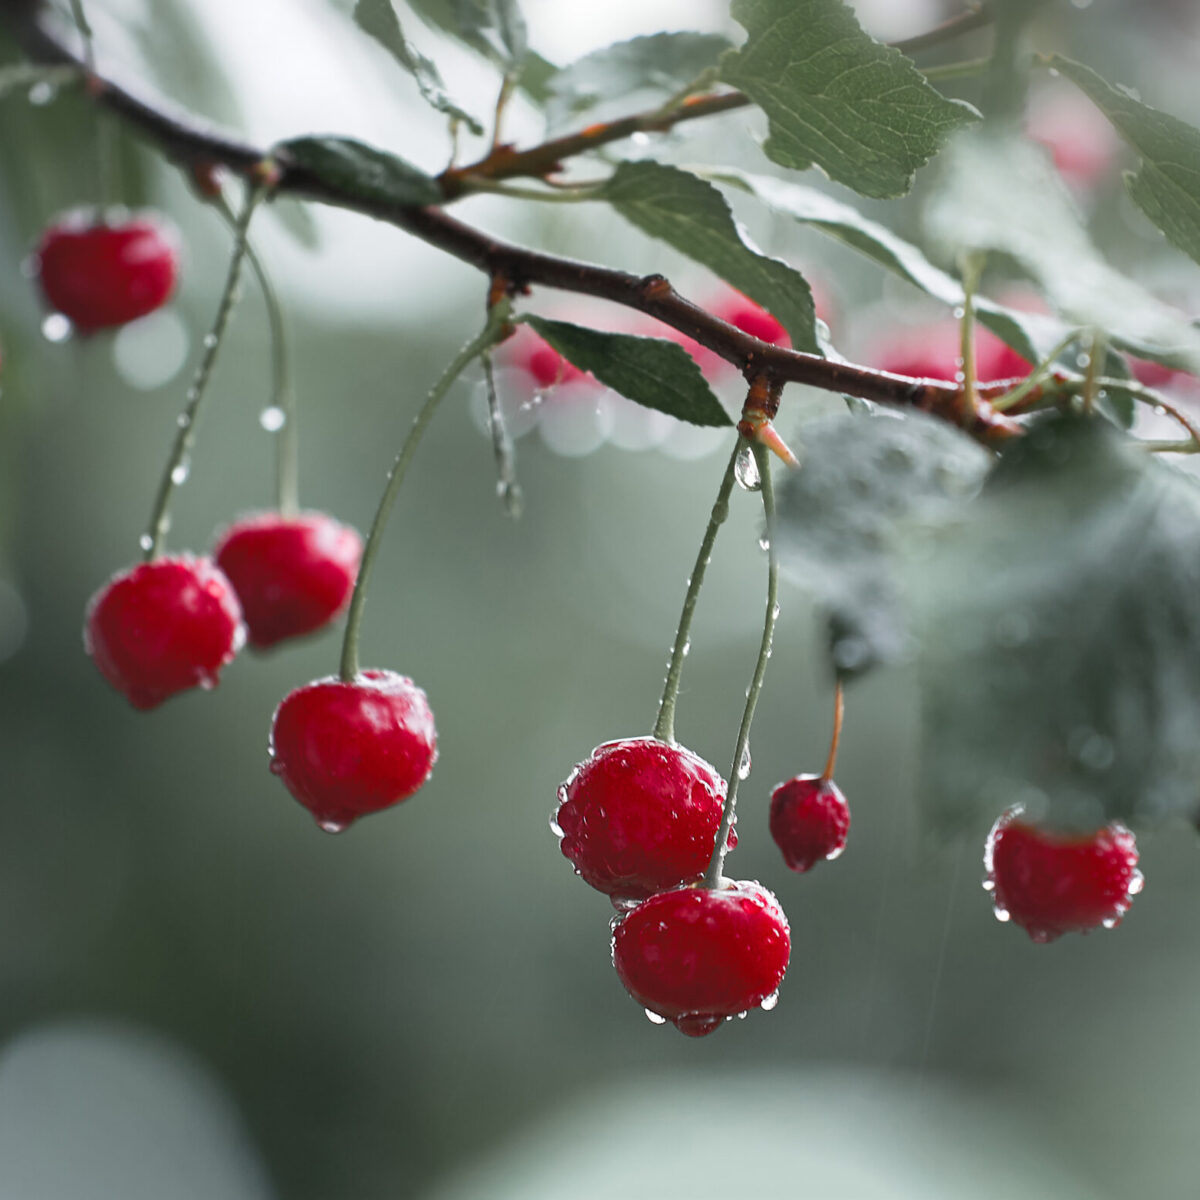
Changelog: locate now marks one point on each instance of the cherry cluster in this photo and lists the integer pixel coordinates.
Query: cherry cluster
(643, 819)
(343, 746)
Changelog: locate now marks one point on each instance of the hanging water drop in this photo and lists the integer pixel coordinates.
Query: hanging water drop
(56, 328)
(272, 418)
(180, 471)
(1001, 914)
(769, 1002)
(745, 469)
(146, 543)
(743, 768)
(764, 543)
(326, 825)
(654, 1018)
(183, 420)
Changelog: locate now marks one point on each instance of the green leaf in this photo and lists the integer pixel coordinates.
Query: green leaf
(691, 215)
(835, 97)
(661, 62)
(361, 170)
(1059, 636)
(1167, 188)
(1002, 193)
(1032, 335)
(495, 28)
(378, 18)
(649, 371)
(864, 482)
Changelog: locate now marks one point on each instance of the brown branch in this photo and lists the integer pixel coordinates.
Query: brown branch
(194, 144)
(504, 162)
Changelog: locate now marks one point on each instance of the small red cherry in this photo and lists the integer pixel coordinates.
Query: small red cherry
(750, 318)
(292, 574)
(540, 361)
(163, 627)
(1053, 883)
(639, 816)
(101, 275)
(809, 821)
(348, 749)
(697, 956)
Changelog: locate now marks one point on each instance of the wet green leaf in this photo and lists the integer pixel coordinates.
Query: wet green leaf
(361, 170)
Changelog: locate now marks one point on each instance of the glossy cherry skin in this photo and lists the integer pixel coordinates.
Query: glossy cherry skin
(640, 816)
(809, 821)
(163, 627)
(104, 275)
(348, 749)
(293, 575)
(1052, 883)
(697, 956)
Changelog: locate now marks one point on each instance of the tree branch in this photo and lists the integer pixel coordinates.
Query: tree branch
(195, 144)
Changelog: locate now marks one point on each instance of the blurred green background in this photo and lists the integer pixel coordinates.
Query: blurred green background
(201, 994)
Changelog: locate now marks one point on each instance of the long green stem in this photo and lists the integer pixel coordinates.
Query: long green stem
(176, 469)
(664, 725)
(507, 487)
(103, 141)
(714, 875)
(283, 396)
(492, 333)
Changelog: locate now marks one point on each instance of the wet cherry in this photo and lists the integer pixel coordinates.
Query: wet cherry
(293, 575)
(100, 274)
(809, 821)
(163, 627)
(348, 749)
(639, 816)
(1053, 883)
(696, 956)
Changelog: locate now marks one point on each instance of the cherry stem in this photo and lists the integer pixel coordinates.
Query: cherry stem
(103, 147)
(283, 396)
(507, 487)
(714, 876)
(176, 471)
(493, 332)
(839, 711)
(972, 268)
(664, 725)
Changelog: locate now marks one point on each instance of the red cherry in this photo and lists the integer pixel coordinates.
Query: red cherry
(540, 361)
(809, 821)
(105, 275)
(639, 816)
(1051, 883)
(348, 749)
(292, 574)
(750, 318)
(696, 956)
(162, 627)
(932, 352)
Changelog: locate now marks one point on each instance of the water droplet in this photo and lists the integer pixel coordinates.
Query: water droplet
(272, 418)
(835, 853)
(1001, 914)
(1083, 360)
(654, 1018)
(743, 769)
(764, 543)
(56, 328)
(989, 885)
(1111, 922)
(1137, 881)
(146, 543)
(180, 471)
(769, 1002)
(745, 470)
(555, 827)
(329, 826)
(959, 312)
(210, 341)
(685, 649)
(183, 420)
(42, 92)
